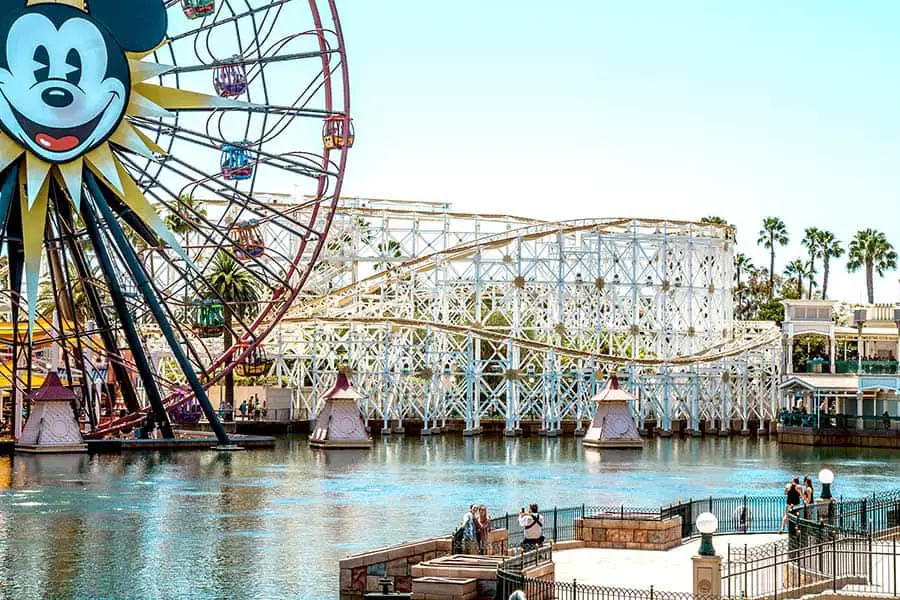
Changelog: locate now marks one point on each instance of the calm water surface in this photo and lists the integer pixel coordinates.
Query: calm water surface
(274, 523)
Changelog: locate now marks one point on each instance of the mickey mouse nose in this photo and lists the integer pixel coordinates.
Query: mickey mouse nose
(57, 97)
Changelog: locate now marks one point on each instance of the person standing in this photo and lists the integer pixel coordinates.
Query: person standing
(809, 498)
(482, 529)
(532, 524)
(794, 494)
(244, 410)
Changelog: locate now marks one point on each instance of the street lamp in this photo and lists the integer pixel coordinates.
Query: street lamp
(826, 476)
(707, 524)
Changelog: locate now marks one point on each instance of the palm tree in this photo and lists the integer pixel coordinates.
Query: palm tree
(238, 289)
(871, 248)
(829, 247)
(392, 250)
(812, 242)
(794, 273)
(181, 222)
(714, 220)
(773, 232)
(742, 265)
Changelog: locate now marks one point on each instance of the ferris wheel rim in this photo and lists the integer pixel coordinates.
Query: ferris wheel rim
(322, 206)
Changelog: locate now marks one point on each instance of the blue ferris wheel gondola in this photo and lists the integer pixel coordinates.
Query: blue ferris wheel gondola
(236, 162)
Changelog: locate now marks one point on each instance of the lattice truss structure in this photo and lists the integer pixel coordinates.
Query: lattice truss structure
(441, 315)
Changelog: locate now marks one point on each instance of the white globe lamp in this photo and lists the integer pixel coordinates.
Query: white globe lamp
(826, 476)
(707, 524)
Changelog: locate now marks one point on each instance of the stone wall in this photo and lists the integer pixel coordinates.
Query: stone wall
(598, 531)
(361, 573)
(864, 439)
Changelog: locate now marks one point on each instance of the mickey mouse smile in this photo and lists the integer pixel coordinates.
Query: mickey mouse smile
(56, 139)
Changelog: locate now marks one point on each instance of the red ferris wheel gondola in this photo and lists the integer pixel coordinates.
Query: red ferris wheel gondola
(197, 9)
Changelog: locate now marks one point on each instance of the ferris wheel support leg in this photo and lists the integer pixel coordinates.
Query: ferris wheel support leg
(140, 278)
(128, 327)
(76, 255)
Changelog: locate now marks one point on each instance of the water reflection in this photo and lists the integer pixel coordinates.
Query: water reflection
(274, 523)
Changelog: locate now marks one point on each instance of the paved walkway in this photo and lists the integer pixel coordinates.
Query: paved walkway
(668, 571)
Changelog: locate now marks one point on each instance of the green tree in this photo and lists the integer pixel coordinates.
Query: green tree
(795, 273)
(714, 220)
(385, 252)
(871, 249)
(182, 221)
(773, 233)
(829, 247)
(812, 241)
(742, 266)
(238, 289)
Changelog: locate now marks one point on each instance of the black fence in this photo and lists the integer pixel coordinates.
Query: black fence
(562, 524)
(852, 564)
(540, 589)
(743, 514)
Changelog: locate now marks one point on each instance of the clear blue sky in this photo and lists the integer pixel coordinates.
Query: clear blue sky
(599, 108)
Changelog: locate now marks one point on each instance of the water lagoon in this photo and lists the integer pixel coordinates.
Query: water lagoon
(274, 523)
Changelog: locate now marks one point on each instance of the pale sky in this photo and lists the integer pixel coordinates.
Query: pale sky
(605, 108)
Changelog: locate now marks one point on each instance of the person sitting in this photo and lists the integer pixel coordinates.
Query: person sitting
(532, 524)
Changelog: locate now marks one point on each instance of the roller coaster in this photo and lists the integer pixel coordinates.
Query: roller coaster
(440, 316)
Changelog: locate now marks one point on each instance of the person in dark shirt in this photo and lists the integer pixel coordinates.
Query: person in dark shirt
(794, 493)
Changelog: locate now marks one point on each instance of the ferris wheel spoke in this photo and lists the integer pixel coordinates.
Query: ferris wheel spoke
(190, 33)
(223, 244)
(244, 62)
(258, 209)
(307, 169)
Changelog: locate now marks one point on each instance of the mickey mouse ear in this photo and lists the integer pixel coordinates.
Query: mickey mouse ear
(137, 25)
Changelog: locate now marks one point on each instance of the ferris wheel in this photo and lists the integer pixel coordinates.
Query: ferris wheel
(170, 171)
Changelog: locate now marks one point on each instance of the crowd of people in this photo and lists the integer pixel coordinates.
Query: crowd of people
(254, 409)
(798, 495)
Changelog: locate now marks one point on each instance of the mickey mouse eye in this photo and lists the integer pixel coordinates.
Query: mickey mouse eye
(73, 60)
(42, 59)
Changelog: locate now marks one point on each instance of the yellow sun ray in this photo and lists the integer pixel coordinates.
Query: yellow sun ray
(71, 177)
(126, 137)
(101, 158)
(138, 106)
(174, 98)
(34, 220)
(134, 198)
(10, 151)
(142, 71)
(36, 174)
(156, 149)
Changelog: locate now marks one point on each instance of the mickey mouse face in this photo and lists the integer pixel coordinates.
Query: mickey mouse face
(59, 96)
(64, 77)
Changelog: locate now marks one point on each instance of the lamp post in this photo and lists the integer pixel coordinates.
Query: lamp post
(826, 476)
(707, 524)
(707, 566)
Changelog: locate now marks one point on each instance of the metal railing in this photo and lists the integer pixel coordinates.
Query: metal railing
(739, 514)
(848, 545)
(827, 421)
(541, 589)
(783, 570)
(563, 525)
